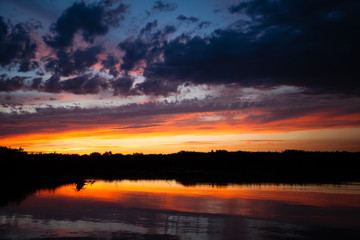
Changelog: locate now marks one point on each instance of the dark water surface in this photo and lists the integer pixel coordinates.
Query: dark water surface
(168, 210)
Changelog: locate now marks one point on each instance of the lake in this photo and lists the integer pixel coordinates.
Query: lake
(159, 209)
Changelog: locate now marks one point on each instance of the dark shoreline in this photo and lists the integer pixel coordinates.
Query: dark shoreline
(23, 174)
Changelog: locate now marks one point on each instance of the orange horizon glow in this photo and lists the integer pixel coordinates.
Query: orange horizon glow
(197, 132)
(103, 140)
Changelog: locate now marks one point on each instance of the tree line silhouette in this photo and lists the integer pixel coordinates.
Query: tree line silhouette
(23, 173)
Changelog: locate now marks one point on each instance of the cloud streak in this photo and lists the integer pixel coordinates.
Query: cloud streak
(285, 113)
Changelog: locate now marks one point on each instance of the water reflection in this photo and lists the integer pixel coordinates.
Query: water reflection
(168, 210)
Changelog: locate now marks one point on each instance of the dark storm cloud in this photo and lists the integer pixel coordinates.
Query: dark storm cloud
(113, 16)
(16, 45)
(3, 29)
(141, 51)
(312, 44)
(11, 84)
(220, 58)
(183, 18)
(157, 88)
(204, 24)
(40, 73)
(149, 26)
(53, 85)
(86, 58)
(110, 64)
(27, 66)
(169, 29)
(142, 48)
(160, 5)
(36, 83)
(85, 84)
(159, 37)
(122, 85)
(91, 20)
(135, 50)
(73, 62)
(309, 43)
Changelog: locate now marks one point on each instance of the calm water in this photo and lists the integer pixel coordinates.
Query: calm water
(167, 210)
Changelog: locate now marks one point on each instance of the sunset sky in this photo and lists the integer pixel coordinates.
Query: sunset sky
(164, 76)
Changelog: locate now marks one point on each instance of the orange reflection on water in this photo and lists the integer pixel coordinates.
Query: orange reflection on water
(246, 200)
